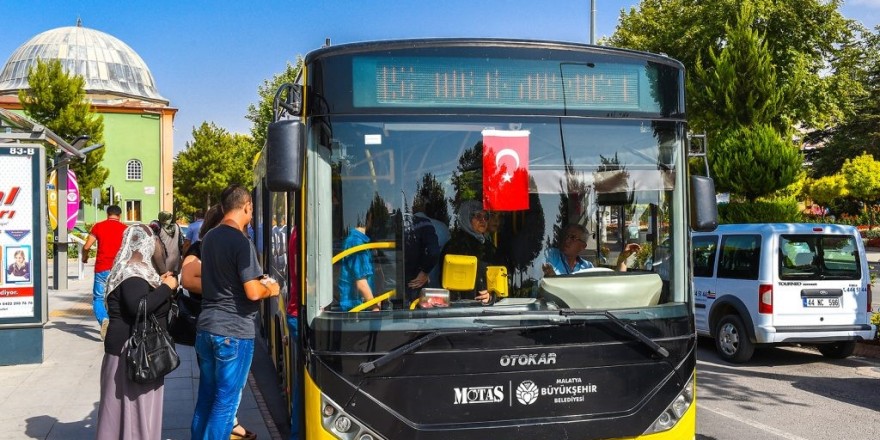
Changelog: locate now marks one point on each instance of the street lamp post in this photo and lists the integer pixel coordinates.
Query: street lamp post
(592, 21)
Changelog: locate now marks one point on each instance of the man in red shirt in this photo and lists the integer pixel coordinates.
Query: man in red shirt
(108, 234)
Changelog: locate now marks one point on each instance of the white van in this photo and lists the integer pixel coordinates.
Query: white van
(782, 283)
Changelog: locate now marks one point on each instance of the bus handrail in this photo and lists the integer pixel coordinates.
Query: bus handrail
(363, 247)
(373, 302)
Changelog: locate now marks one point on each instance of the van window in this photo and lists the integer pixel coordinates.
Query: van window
(704, 249)
(740, 255)
(818, 257)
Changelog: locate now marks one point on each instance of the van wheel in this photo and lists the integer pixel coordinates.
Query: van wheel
(732, 341)
(838, 350)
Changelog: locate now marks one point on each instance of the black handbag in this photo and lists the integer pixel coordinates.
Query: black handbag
(183, 318)
(151, 354)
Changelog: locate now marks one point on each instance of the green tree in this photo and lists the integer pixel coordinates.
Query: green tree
(431, 199)
(380, 227)
(827, 189)
(58, 101)
(808, 41)
(261, 112)
(212, 161)
(467, 179)
(739, 89)
(861, 131)
(738, 85)
(862, 176)
(753, 161)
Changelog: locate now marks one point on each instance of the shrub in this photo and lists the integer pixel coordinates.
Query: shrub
(775, 211)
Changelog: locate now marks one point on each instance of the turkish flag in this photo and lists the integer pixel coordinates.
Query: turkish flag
(505, 170)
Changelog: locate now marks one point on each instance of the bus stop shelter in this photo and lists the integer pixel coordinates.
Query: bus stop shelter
(23, 233)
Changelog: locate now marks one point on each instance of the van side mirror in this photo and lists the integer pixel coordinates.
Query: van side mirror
(704, 207)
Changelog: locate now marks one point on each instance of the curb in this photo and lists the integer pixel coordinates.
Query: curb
(867, 350)
(263, 406)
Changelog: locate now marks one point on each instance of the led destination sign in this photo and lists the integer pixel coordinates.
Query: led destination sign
(503, 83)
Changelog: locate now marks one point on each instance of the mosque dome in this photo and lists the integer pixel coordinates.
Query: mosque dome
(109, 66)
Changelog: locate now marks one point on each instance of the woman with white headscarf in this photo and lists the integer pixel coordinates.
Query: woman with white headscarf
(129, 410)
(469, 238)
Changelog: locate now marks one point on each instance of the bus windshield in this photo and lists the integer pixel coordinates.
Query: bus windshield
(586, 227)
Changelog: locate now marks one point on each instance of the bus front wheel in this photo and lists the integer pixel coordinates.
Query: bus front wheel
(732, 340)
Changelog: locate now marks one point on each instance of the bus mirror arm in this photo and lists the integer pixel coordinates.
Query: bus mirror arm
(291, 101)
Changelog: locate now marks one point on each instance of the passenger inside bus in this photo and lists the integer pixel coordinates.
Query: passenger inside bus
(469, 238)
(356, 272)
(422, 250)
(566, 258)
(435, 211)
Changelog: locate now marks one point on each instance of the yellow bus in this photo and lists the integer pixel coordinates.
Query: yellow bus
(567, 152)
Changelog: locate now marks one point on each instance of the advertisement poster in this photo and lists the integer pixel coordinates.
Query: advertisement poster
(17, 235)
(72, 199)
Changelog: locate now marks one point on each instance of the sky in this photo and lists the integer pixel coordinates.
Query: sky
(209, 57)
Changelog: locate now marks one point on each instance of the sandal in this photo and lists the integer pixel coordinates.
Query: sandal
(246, 436)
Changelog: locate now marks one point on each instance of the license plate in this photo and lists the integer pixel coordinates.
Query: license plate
(821, 302)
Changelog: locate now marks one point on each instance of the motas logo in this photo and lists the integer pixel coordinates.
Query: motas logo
(468, 395)
(527, 393)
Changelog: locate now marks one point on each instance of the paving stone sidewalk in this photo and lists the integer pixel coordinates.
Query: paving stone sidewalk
(58, 398)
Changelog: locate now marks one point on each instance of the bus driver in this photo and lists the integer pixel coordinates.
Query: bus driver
(566, 259)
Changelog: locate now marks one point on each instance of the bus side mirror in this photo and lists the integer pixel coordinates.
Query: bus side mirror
(704, 207)
(285, 143)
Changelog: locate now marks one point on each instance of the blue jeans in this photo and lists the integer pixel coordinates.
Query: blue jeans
(295, 393)
(98, 289)
(224, 363)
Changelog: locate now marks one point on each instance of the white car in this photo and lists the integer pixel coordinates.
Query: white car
(782, 283)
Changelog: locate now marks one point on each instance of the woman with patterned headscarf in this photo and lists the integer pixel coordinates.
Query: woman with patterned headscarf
(469, 238)
(129, 410)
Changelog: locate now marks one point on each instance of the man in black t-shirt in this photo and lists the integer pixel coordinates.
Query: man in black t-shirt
(232, 285)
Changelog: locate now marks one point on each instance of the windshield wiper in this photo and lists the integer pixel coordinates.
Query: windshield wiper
(629, 328)
(413, 345)
(638, 335)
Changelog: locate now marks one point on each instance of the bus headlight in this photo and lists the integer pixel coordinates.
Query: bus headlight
(676, 410)
(342, 425)
(679, 406)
